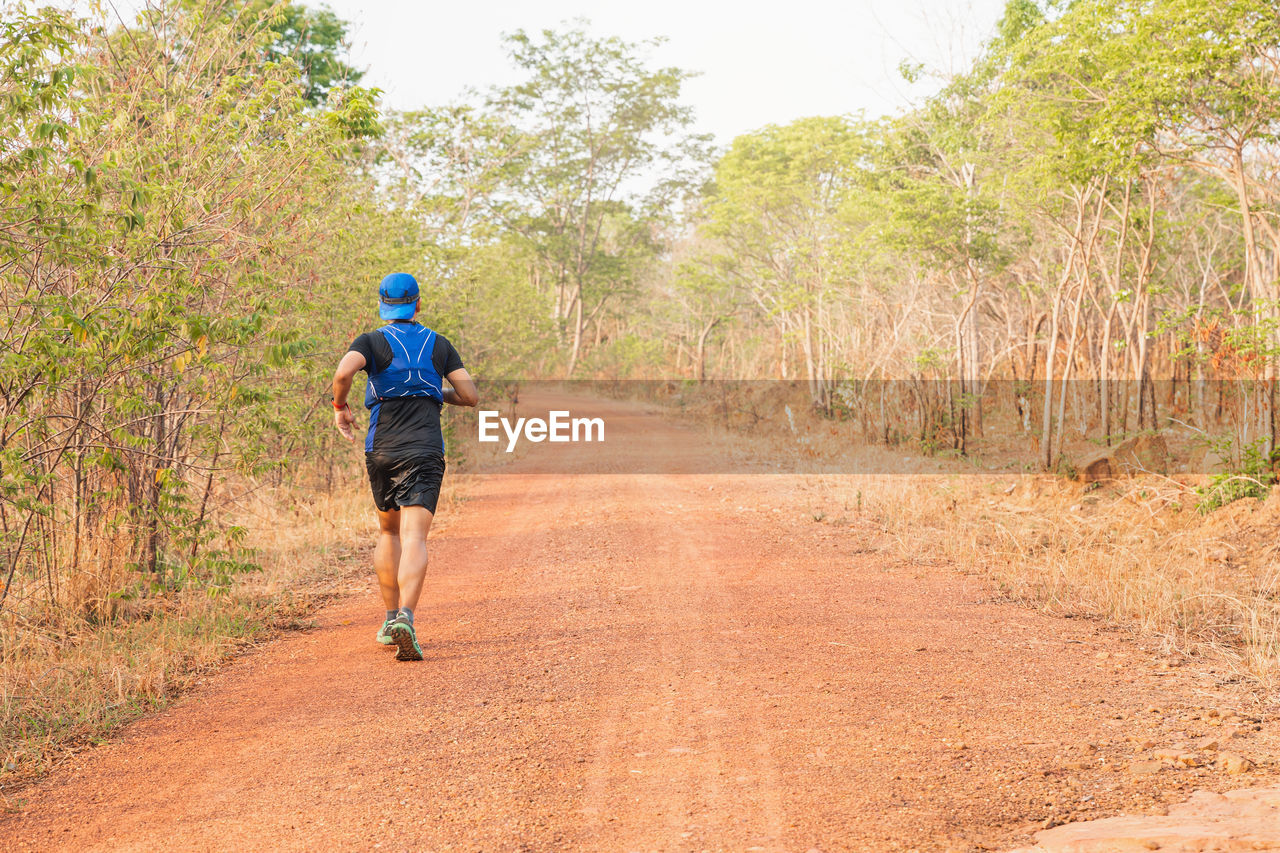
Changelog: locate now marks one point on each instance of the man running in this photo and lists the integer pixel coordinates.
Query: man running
(404, 450)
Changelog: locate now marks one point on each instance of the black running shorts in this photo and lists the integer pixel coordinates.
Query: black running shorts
(405, 479)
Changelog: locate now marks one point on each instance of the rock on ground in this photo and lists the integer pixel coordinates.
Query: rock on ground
(1247, 819)
(1142, 453)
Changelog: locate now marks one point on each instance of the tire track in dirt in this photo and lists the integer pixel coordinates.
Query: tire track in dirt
(662, 740)
(773, 683)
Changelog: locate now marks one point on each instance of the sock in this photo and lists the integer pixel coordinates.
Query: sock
(407, 613)
(391, 614)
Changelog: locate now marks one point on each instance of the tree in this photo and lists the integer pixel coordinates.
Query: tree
(932, 170)
(314, 39)
(775, 205)
(164, 205)
(1127, 91)
(580, 162)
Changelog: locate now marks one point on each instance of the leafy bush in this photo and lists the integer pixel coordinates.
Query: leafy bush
(1252, 478)
(164, 218)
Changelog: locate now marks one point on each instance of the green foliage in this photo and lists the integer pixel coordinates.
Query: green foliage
(780, 175)
(785, 209)
(626, 357)
(1020, 16)
(487, 305)
(575, 168)
(353, 113)
(1064, 206)
(165, 217)
(1253, 477)
(310, 40)
(315, 39)
(1118, 83)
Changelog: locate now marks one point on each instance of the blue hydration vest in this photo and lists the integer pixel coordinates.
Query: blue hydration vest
(412, 372)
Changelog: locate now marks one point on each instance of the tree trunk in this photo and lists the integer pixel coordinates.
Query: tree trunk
(1046, 434)
(576, 347)
(700, 358)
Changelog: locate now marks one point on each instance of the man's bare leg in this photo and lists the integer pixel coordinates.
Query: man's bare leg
(415, 524)
(386, 557)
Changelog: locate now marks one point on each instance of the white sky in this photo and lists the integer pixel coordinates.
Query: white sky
(761, 63)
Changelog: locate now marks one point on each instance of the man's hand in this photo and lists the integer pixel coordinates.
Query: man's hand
(345, 421)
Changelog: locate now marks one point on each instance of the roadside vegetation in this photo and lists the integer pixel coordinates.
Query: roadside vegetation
(1071, 243)
(168, 233)
(1134, 554)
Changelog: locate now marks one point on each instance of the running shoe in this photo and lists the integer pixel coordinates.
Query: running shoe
(384, 633)
(402, 634)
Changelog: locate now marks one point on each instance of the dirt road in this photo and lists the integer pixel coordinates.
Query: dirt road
(648, 662)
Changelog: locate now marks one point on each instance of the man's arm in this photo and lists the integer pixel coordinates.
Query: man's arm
(463, 392)
(351, 364)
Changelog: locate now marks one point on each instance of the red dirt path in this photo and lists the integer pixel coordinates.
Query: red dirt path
(648, 662)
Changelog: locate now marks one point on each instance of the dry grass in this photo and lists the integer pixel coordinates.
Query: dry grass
(1135, 553)
(67, 679)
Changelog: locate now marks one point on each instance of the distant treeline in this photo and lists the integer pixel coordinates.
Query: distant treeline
(1095, 199)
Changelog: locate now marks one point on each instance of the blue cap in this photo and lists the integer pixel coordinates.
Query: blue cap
(398, 296)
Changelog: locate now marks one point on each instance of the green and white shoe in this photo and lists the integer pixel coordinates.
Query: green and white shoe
(402, 634)
(384, 633)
